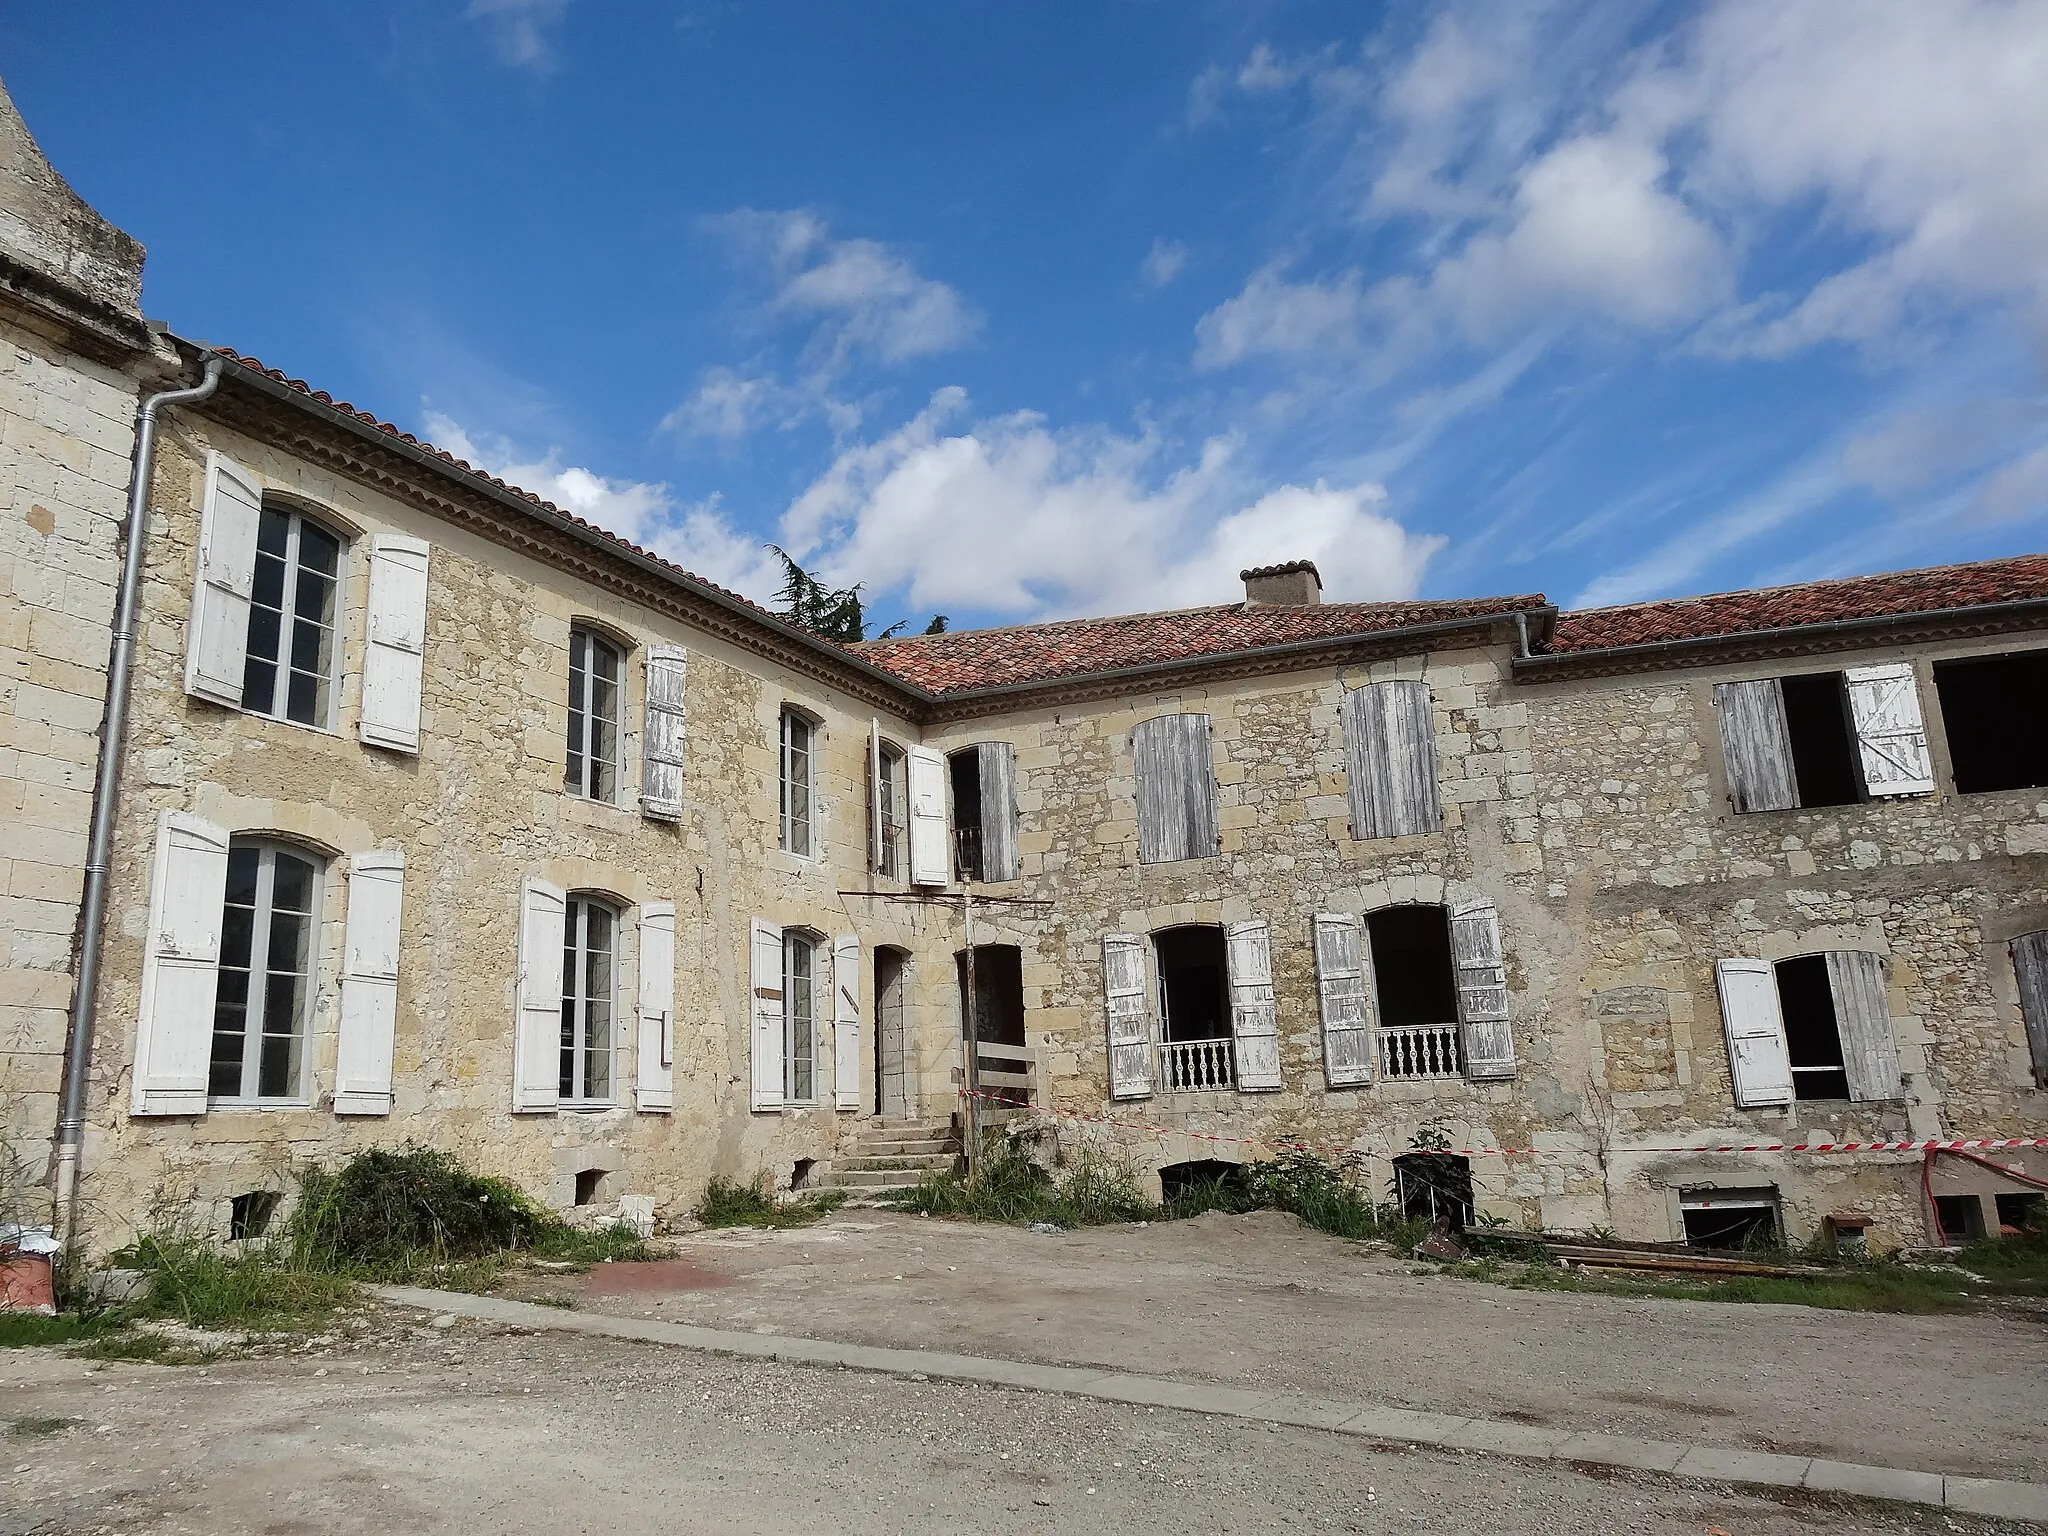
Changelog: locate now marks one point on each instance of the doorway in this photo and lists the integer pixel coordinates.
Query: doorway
(892, 1034)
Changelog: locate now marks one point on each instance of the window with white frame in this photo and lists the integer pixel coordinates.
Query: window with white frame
(590, 969)
(799, 1018)
(799, 747)
(264, 996)
(596, 667)
(888, 810)
(289, 668)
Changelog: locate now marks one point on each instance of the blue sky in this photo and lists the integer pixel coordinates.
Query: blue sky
(1022, 311)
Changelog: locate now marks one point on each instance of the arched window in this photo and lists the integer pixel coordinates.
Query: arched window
(293, 605)
(596, 668)
(265, 992)
(590, 971)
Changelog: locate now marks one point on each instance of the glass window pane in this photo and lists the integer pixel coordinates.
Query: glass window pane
(268, 593)
(224, 1071)
(237, 928)
(304, 699)
(242, 863)
(311, 646)
(277, 1071)
(566, 1085)
(259, 686)
(319, 551)
(273, 532)
(288, 937)
(291, 887)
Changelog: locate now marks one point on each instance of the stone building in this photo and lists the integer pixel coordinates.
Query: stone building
(444, 816)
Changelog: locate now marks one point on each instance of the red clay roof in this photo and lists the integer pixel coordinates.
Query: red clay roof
(2019, 579)
(1035, 653)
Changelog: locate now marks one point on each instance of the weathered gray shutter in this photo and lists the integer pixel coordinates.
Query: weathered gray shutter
(537, 1046)
(1891, 736)
(1390, 750)
(997, 764)
(654, 1048)
(765, 1003)
(1129, 1006)
(1757, 745)
(1254, 1017)
(1176, 784)
(369, 984)
(846, 1021)
(180, 967)
(930, 859)
(217, 633)
(661, 769)
(1489, 1040)
(1759, 1064)
(1863, 1018)
(2030, 965)
(1346, 1001)
(394, 655)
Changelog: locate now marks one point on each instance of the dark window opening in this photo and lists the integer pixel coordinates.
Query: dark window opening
(1194, 985)
(800, 1173)
(1961, 1218)
(1826, 761)
(249, 1215)
(1411, 966)
(1433, 1185)
(2021, 1214)
(588, 1183)
(1734, 1219)
(1997, 729)
(1199, 1175)
(1813, 1039)
(966, 771)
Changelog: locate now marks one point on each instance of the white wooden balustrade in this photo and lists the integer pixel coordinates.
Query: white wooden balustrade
(1409, 1051)
(1191, 1065)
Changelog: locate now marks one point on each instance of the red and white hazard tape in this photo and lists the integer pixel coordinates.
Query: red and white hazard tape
(1974, 1144)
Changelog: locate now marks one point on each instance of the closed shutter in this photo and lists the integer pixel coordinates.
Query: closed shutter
(654, 1050)
(2030, 965)
(996, 762)
(661, 770)
(394, 658)
(765, 1005)
(1176, 784)
(1254, 1019)
(369, 984)
(1390, 749)
(537, 1047)
(1884, 704)
(1757, 745)
(1863, 1018)
(846, 1021)
(1346, 1003)
(929, 859)
(1130, 1016)
(217, 634)
(180, 966)
(1758, 1062)
(1489, 1041)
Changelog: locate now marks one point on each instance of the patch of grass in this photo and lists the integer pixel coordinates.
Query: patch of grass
(1875, 1287)
(261, 1288)
(140, 1345)
(728, 1203)
(36, 1425)
(29, 1328)
(2014, 1266)
(1092, 1190)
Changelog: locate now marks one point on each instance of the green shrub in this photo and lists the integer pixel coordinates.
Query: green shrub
(728, 1203)
(384, 1208)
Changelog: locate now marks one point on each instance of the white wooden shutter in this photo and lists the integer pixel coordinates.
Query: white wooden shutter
(1863, 1018)
(394, 658)
(1759, 1063)
(661, 767)
(996, 762)
(537, 1046)
(1174, 767)
(1756, 744)
(654, 1049)
(1891, 736)
(765, 997)
(1346, 1001)
(1254, 1018)
(1390, 749)
(930, 860)
(369, 984)
(875, 796)
(1129, 1006)
(846, 1021)
(2030, 966)
(217, 634)
(1489, 1041)
(180, 967)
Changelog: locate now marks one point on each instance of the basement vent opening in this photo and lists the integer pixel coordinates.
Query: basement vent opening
(800, 1172)
(1961, 1218)
(1197, 1174)
(249, 1215)
(1435, 1185)
(1731, 1219)
(1997, 732)
(588, 1183)
(2019, 1215)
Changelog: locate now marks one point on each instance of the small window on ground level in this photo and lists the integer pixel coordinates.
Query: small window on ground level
(799, 1018)
(799, 742)
(1961, 1218)
(2021, 1214)
(1433, 1185)
(589, 1186)
(289, 670)
(1813, 1037)
(1201, 1177)
(595, 669)
(265, 990)
(1991, 707)
(249, 1215)
(589, 986)
(1731, 1219)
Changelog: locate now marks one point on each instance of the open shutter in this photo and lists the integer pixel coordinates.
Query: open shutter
(765, 1001)
(217, 634)
(997, 765)
(369, 984)
(2030, 965)
(929, 860)
(1390, 749)
(654, 1050)
(394, 658)
(1863, 1018)
(1130, 1016)
(1176, 785)
(1254, 1020)
(1891, 737)
(661, 768)
(1489, 1042)
(1757, 745)
(180, 967)
(875, 796)
(1346, 1003)
(1758, 1061)
(846, 1021)
(537, 1048)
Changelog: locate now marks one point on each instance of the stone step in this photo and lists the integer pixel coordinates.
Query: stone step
(925, 1148)
(930, 1162)
(907, 1130)
(872, 1178)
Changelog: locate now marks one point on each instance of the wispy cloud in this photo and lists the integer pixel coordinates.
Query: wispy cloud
(1163, 263)
(519, 29)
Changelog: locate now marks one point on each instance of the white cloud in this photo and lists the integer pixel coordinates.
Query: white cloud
(519, 27)
(1273, 315)
(1163, 262)
(729, 405)
(2015, 492)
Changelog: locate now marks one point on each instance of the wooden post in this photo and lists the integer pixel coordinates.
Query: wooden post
(971, 1041)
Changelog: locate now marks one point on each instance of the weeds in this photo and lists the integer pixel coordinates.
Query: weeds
(728, 1203)
(31, 1328)
(1009, 1187)
(36, 1425)
(262, 1288)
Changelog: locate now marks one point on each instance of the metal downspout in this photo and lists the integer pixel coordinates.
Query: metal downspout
(106, 787)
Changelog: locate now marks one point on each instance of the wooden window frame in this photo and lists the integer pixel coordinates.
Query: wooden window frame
(282, 671)
(578, 776)
(256, 1003)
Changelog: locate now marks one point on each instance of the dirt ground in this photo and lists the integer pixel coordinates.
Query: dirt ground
(1261, 1301)
(477, 1429)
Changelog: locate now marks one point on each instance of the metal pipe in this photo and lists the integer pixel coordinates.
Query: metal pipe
(106, 789)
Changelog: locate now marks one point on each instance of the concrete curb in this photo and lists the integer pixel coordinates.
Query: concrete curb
(1723, 1464)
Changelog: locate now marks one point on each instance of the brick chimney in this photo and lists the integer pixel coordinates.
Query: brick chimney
(1294, 583)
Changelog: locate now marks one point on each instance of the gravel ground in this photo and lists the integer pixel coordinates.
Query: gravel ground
(476, 1429)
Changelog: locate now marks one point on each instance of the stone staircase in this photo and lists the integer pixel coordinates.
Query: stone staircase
(892, 1154)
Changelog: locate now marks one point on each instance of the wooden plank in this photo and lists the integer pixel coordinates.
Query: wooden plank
(1870, 1051)
(1757, 745)
(1345, 1000)
(1891, 736)
(1489, 1042)
(1759, 1064)
(996, 763)
(2030, 964)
